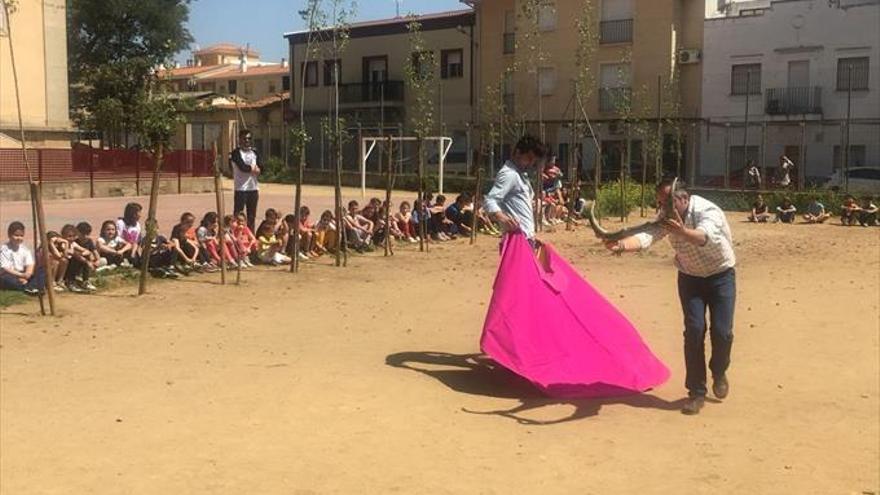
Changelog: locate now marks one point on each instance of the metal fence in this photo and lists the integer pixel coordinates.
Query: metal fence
(84, 163)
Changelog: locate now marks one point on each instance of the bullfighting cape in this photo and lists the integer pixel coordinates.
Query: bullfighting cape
(550, 326)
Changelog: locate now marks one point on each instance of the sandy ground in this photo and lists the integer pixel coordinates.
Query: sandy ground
(365, 380)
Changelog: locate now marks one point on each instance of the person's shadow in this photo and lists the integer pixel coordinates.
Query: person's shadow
(476, 374)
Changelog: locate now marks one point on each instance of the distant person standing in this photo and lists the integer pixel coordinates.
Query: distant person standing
(785, 166)
(245, 170)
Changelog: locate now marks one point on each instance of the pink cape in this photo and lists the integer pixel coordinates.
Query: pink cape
(553, 328)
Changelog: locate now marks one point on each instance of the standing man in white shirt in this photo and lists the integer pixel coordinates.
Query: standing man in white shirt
(245, 170)
(700, 235)
(510, 200)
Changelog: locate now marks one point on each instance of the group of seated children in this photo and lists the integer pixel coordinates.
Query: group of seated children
(851, 212)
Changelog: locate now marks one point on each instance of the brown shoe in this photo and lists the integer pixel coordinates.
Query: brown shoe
(720, 387)
(693, 405)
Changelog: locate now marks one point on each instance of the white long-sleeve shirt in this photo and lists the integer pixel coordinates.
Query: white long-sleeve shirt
(699, 261)
(512, 194)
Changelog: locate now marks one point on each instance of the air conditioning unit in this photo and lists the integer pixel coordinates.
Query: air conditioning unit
(689, 56)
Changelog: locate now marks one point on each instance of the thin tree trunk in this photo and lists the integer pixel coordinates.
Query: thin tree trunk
(478, 191)
(297, 205)
(218, 192)
(151, 221)
(624, 170)
(423, 222)
(389, 184)
(644, 175)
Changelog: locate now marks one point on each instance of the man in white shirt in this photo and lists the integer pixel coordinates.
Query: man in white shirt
(509, 202)
(245, 170)
(700, 235)
(17, 264)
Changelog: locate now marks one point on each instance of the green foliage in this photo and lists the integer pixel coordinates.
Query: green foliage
(742, 201)
(274, 171)
(114, 48)
(11, 297)
(420, 74)
(155, 119)
(609, 201)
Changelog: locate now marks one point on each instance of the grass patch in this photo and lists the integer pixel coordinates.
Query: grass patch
(11, 297)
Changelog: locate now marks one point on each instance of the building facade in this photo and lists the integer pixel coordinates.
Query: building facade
(644, 52)
(373, 91)
(39, 38)
(797, 68)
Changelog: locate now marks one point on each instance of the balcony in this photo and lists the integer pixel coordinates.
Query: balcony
(612, 100)
(372, 93)
(616, 31)
(509, 43)
(793, 101)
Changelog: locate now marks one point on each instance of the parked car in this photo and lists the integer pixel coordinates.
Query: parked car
(862, 180)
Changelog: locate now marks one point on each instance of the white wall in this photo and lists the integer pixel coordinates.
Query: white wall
(786, 31)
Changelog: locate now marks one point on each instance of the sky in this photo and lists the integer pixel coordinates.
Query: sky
(262, 23)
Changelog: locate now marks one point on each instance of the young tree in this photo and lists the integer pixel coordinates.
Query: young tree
(585, 80)
(627, 102)
(114, 48)
(299, 135)
(420, 73)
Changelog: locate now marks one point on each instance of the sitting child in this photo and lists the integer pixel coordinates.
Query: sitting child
(816, 212)
(245, 240)
(849, 210)
(163, 257)
(760, 211)
(786, 212)
(113, 248)
(358, 229)
(868, 213)
(59, 255)
(186, 247)
(404, 220)
(17, 265)
(84, 260)
(269, 250)
(326, 234)
(229, 224)
(210, 242)
(307, 235)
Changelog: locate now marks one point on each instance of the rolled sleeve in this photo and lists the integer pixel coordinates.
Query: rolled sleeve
(504, 182)
(711, 224)
(649, 237)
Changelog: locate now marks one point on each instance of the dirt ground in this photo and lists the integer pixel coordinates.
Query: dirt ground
(366, 380)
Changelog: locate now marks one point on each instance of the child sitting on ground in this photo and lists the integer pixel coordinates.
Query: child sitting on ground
(58, 256)
(326, 234)
(358, 229)
(113, 248)
(270, 247)
(868, 213)
(306, 235)
(17, 265)
(816, 212)
(163, 257)
(187, 248)
(245, 240)
(849, 210)
(209, 241)
(786, 212)
(405, 225)
(760, 211)
(83, 259)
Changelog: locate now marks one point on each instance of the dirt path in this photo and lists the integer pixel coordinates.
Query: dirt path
(363, 380)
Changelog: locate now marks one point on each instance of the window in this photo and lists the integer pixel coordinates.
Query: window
(329, 73)
(738, 160)
(509, 32)
(743, 74)
(547, 17)
(614, 86)
(858, 67)
(422, 63)
(233, 86)
(310, 70)
(546, 81)
(451, 64)
(616, 25)
(856, 156)
(248, 87)
(272, 87)
(285, 83)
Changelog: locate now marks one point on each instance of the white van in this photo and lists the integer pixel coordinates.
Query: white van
(862, 180)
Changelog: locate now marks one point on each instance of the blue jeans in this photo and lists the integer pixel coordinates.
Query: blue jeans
(718, 294)
(37, 281)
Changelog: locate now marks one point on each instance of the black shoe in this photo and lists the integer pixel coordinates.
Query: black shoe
(720, 387)
(693, 405)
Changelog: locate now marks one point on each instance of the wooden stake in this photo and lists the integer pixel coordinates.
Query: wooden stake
(389, 184)
(423, 225)
(218, 192)
(644, 175)
(478, 191)
(297, 205)
(151, 221)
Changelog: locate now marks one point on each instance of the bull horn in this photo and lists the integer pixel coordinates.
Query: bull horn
(621, 234)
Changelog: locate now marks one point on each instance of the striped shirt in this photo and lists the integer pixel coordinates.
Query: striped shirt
(715, 256)
(512, 194)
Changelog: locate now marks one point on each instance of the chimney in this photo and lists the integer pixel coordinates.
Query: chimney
(243, 61)
(283, 62)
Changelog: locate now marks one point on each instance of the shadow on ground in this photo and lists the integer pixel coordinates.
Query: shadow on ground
(476, 374)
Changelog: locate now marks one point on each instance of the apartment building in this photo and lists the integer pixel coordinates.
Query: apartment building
(39, 37)
(800, 70)
(374, 98)
(639, 44)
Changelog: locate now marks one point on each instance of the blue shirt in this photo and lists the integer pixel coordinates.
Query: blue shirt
(512, 194)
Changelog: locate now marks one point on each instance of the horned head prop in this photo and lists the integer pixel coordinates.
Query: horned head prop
(603, 234)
